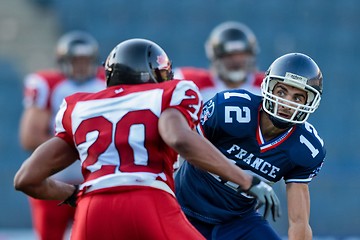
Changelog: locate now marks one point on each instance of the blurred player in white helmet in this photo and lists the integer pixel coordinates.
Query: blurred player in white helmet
(232, 49)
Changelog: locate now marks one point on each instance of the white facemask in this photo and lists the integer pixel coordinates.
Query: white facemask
(236, 76)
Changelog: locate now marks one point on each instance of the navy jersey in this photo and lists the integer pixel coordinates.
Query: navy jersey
(230, 120)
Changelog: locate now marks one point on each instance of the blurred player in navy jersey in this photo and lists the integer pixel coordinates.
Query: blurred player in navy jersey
(232, 49)
(127, 138)
(270, 138)
(79, 71)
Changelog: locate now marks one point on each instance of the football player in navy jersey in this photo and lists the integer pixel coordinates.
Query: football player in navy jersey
(267, 136)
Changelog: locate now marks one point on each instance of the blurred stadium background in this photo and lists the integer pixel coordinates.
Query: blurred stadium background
(326, 30)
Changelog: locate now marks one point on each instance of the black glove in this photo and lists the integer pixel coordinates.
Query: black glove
(72, 199)
(265, 195)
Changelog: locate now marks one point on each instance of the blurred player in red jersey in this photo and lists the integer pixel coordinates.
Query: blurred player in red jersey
(79, 71)
(232, 49)
(127, 138)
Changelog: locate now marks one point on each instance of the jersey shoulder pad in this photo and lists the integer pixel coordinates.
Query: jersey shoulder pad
(79, 96)
(186, 97)
(306, 152)
(182, 86)
(51, 76)
(238, 96)
(310, 132)
(310, 145)
(176, 83)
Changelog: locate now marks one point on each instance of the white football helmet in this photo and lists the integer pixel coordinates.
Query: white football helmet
(297, 70)
(229, 38)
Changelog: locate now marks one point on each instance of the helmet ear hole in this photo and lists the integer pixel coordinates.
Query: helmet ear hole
(272, 84)
(310, 97)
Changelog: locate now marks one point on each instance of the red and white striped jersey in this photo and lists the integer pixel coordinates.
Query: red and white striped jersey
(115, 131)
(46, 89)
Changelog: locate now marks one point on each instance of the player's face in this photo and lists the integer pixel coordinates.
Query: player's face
(82, 67)
(237, 61)
(292, 95)
(165, 75)
(234, 67)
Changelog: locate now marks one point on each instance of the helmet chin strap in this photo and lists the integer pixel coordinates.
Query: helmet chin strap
(280, 123)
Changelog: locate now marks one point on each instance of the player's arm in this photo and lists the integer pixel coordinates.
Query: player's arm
(34, 127)
(197, 150)
(33, 176)
(298, 198)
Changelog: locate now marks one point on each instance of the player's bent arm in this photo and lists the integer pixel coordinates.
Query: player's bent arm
(197, 150)
(33, 176)
(34, 128)
(298, 198)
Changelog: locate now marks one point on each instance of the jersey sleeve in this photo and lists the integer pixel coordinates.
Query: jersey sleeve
(302, 174)
(187, 99)
(63, 127)
(36, 91)
(307, 156)
(38, 88)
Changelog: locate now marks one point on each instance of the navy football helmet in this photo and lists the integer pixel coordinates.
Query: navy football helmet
(77, 44)
(137, 61)
(227, 39)
(297, 70)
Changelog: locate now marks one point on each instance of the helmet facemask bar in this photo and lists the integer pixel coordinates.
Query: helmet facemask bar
(272, 102)
(160, 66)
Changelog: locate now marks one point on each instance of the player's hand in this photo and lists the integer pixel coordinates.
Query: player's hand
(265, 196)
(71, 200)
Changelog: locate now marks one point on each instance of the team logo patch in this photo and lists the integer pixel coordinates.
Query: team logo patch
(207, 112)
(295, 77)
